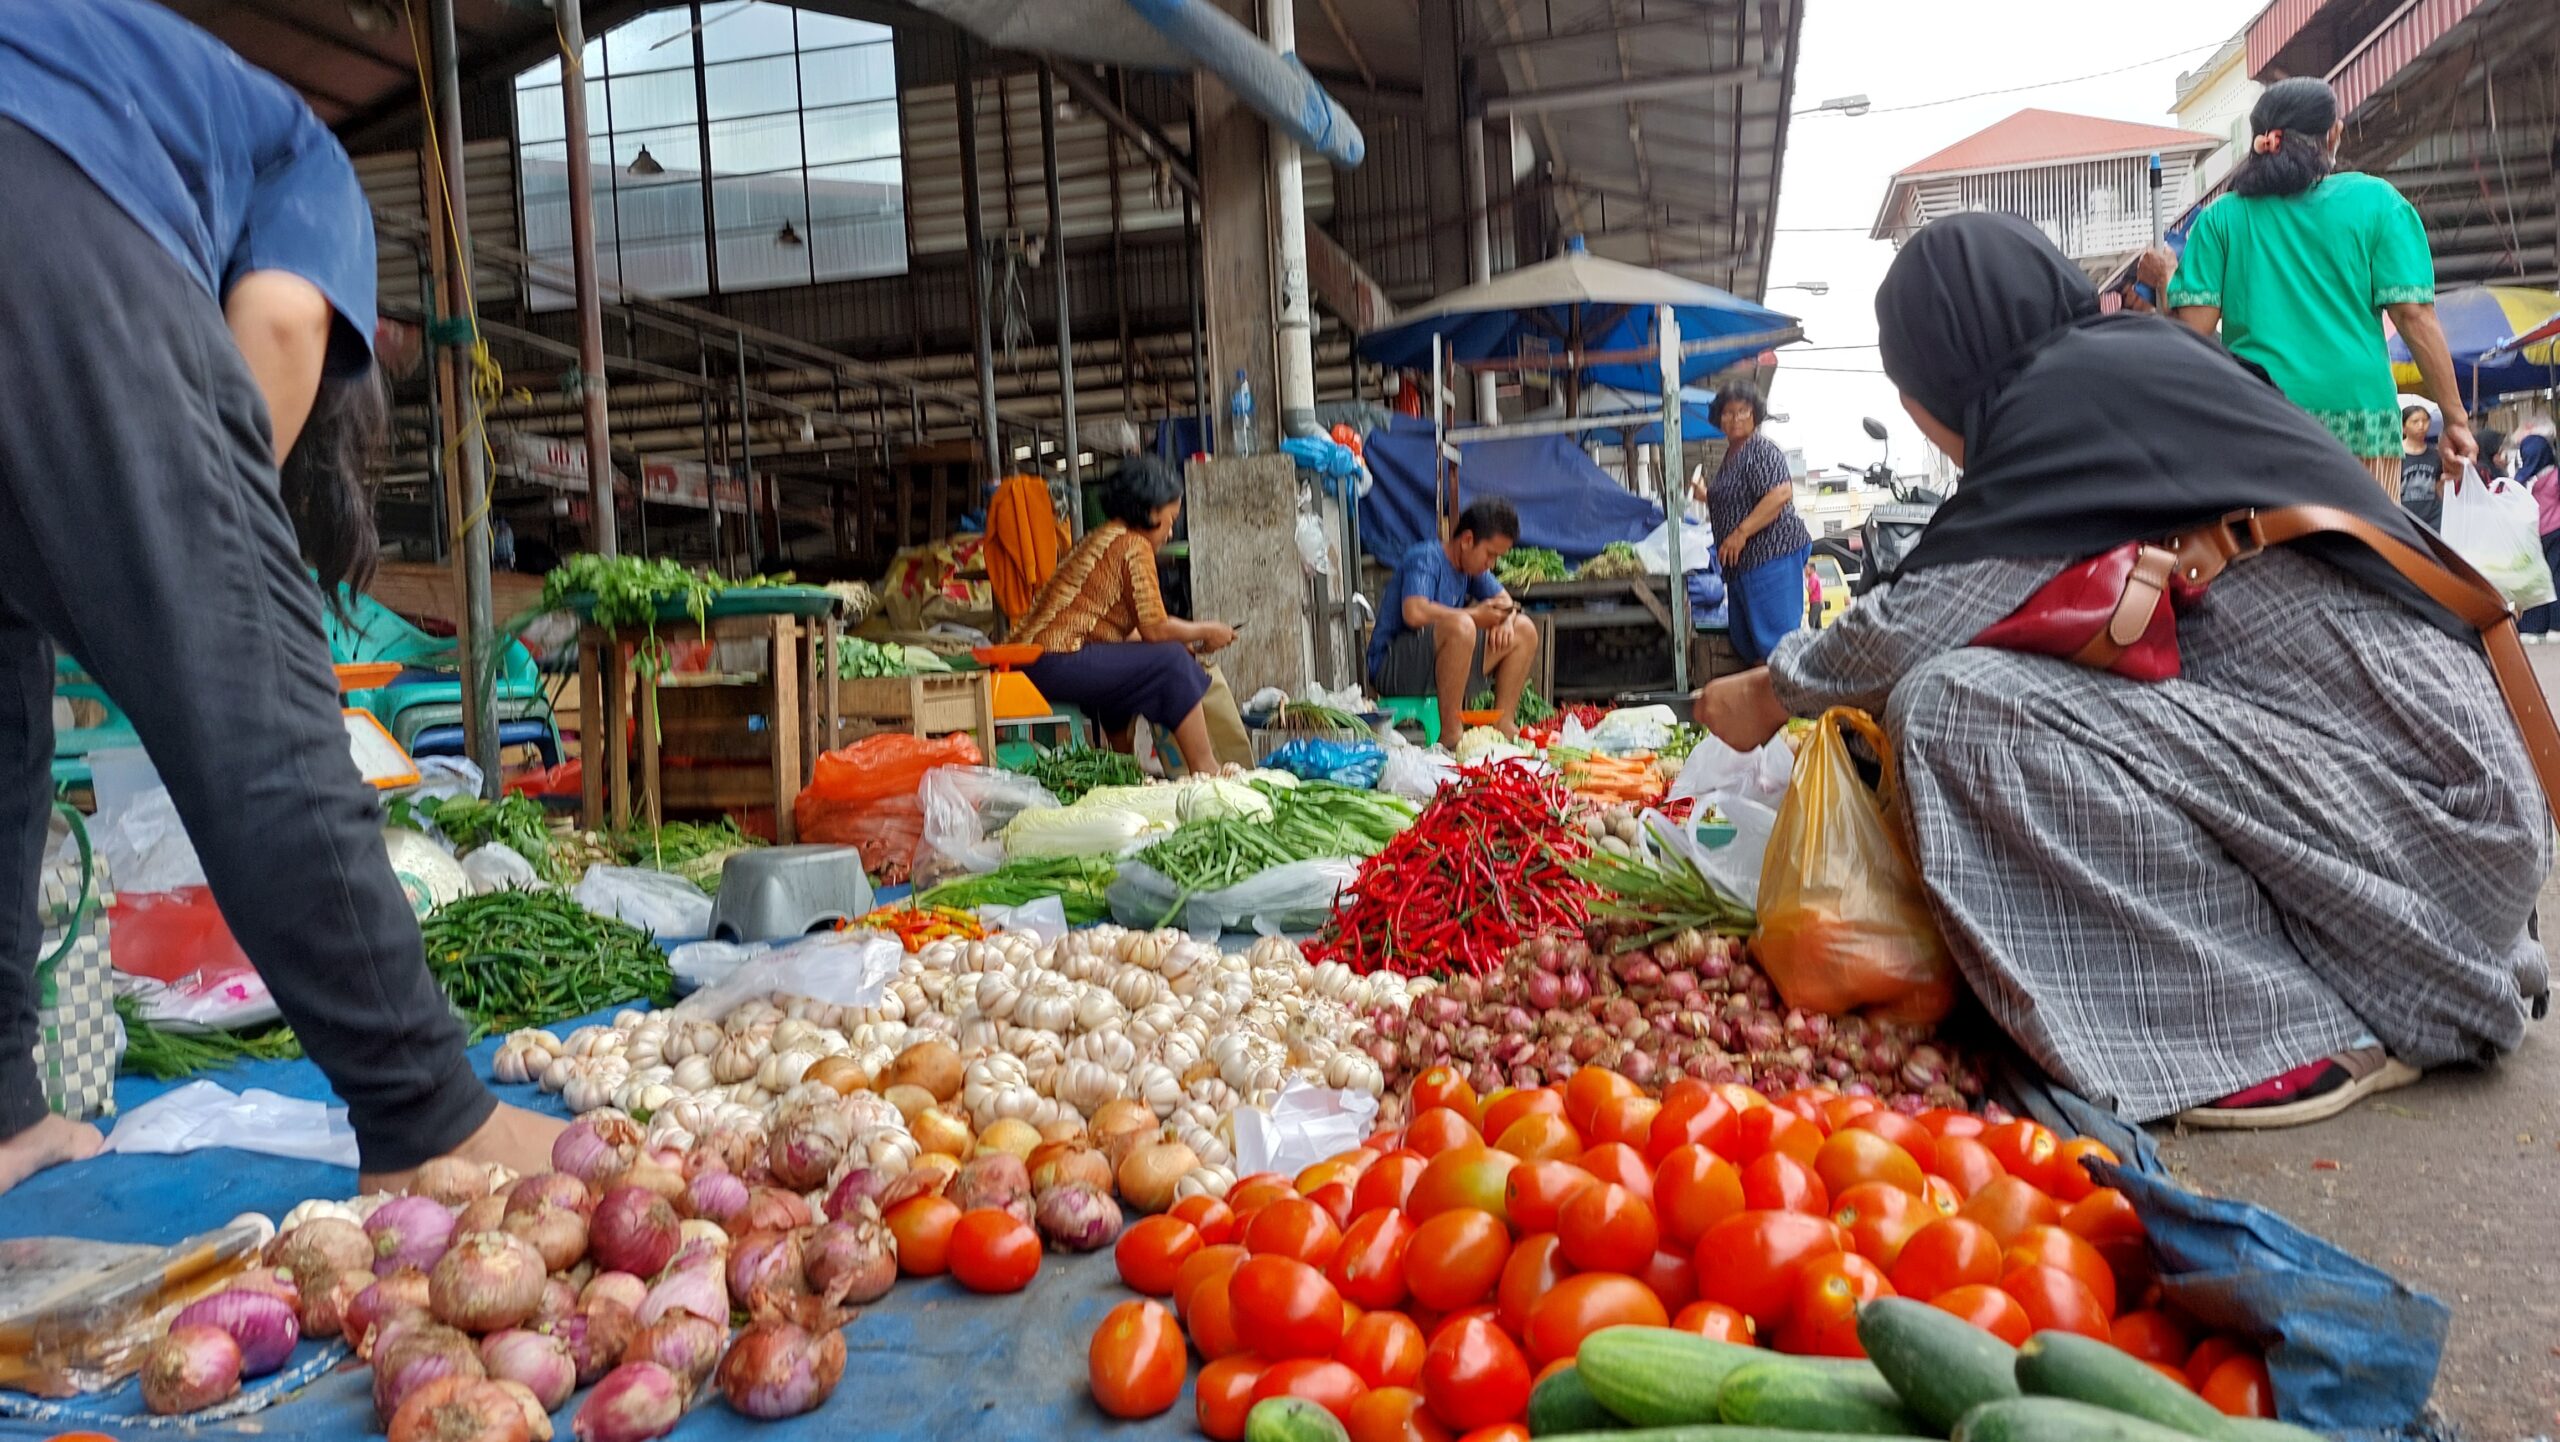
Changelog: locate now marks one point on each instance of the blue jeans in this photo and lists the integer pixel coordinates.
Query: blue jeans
(1766, 602)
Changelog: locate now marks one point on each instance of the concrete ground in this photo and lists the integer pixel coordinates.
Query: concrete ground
(2451, 1185)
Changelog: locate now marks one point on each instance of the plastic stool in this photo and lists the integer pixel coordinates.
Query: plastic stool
(774, 892)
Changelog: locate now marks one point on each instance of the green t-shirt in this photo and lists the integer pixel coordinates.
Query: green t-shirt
(2301, 280)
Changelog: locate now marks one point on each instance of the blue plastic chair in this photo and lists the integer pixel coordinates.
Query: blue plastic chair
(417, 712)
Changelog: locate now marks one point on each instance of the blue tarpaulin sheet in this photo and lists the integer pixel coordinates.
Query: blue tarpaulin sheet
(1567, 503)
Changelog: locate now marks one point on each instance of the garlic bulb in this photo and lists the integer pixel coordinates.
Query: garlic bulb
(1204, 1181)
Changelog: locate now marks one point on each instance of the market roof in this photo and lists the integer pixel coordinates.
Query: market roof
(2051, 137)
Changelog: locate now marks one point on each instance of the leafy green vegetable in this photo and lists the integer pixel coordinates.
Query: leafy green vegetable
(694, 850)
(1684, 738)
(468, 822)
(858, 659)
(1079, 883)
(1617, 561)
(1528, 565)
(1070, 771)
(630, 591)
(1533, 707)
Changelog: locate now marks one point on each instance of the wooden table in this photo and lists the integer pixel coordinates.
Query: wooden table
(801, 654)
(1567, 606)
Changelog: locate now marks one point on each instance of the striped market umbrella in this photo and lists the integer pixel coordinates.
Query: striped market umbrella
(2502, 337)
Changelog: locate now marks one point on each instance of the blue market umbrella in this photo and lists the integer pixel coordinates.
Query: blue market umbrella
(1580, 304)
(1643, 424)
(2489, 328)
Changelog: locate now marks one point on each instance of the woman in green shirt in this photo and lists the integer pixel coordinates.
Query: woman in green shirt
(2295, 267)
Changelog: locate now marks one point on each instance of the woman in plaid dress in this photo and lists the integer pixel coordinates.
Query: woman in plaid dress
(2296, 875)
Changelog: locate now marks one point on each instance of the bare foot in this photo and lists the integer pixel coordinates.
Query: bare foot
(512, 1137)
(49, 1143)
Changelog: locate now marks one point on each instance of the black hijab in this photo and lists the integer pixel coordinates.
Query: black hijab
(2083, 431)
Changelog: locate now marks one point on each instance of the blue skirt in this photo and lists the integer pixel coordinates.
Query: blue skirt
(1766, 602)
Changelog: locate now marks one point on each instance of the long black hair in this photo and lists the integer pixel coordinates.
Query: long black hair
(328, 480)
(1142, 487)
(2298, 114)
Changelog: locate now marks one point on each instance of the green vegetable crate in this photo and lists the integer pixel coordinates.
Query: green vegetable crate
(919, 706)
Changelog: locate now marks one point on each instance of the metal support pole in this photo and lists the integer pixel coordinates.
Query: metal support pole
(1066, 308)
(1289, 218)
(973, 213)
(1675, 487)
(747, 461)
(582, 260)
(1479, 250)
(438, 516)
(710, 468)
(1201, 407)
(479, 705)
(2159, 222)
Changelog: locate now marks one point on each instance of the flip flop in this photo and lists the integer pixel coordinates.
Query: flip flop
(2369, 1071)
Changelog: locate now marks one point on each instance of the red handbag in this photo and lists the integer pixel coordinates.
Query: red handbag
(2116, 611)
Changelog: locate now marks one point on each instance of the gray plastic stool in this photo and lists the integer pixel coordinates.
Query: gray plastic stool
(773, 892)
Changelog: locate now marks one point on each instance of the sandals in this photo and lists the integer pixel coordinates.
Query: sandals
(2313, 1092)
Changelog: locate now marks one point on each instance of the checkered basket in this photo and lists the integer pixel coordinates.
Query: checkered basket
(79, 1038)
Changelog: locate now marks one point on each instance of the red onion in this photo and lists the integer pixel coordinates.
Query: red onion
(559, 1299)
(776, 1369)
(417, 1358)
(1577, 988)
(997, 1180)
(855, 1259)
(274, 1282)
(635, 1402)
(265, 1326)
(322, 1247)
(190, 1369)
(682, 1343)
(409, 1232)
(323, 1310)
(465, 1409)
(771, 1209)
(633, 1231)
(650, 1177)
(596, 1147)
(699, 1289)
(715, 1196)
(487, 1282)
(557, 1189)
(621, 1287)
(487, 1214)
(766, 1270)
(538, 1360)
(1074, 1217)
(597, 1335)
(556, 1234)
(1542, 989)
(453, 1181)
(399, 1292)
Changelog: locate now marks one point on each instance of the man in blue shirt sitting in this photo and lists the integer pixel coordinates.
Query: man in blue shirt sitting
(1448, 623)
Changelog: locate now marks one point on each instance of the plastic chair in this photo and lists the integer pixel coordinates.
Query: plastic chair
(372, 631)
(73, 745)
(1422, 712)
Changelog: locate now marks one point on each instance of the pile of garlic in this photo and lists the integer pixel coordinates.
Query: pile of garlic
(1046, 1034)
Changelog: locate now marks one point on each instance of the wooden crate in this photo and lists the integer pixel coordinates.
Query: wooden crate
(919, 706)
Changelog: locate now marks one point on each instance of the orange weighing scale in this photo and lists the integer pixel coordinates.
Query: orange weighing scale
(383, 761)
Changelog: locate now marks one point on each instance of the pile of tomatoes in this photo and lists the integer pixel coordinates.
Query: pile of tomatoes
(1418, 1286)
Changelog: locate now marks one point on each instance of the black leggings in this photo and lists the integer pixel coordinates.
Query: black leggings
(141, 530)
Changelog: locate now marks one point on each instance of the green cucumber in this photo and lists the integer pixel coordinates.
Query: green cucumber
(1292, 1419)
(2083, 1369)
(1787, 1394)
(1658, 1377)
(1562, 1402)
(2261, 1429)
(1941, 1365)
(2057, 1419)
(1708, 1432)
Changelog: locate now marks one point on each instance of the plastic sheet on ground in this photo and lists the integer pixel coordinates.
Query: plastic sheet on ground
(1292, 897)
(202, 1114)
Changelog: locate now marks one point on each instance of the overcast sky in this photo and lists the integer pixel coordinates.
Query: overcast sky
(1905, 52)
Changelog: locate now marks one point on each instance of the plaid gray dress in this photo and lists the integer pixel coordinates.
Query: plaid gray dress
(2326, 828)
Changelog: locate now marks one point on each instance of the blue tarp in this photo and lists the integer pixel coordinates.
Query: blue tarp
(1567, 503)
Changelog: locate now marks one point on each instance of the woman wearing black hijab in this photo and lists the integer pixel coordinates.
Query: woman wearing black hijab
(2292, 877)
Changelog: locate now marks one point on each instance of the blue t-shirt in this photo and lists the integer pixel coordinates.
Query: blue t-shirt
(1425, 571)
(220, 162)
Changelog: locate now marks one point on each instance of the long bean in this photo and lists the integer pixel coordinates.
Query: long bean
(513, 959)
(1078, 882)
(168, 1055)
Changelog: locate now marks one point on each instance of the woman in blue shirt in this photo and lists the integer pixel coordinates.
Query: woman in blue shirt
(186, 299)
(1760, 541)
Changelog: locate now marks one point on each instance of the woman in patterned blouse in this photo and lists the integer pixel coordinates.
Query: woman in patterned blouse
(1760, 541)
(1110, 649)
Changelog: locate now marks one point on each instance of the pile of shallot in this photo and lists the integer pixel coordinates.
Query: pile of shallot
(1691, 1004)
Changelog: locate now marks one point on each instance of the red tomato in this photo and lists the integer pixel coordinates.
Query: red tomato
(1541, 1136)
(1534, 1193)
(922, 1226)
(1672, 1277)
(1965, 1163)
(1944, 1255)
(1344, 1167)
(1335, 1198)
(1693, 1189)
(1286, 1308)
(1368, 1268)
(1762, 1130)
(1387, 1181)
(1692, 1115)
(1393, 1414)
(1590, 1089)
(1627, 1120)
(1137, 1360)
(1823, 1321)
(1881, 1219)
(1211, 1318)
(1908, 1133)
(1223, 1394)
(2009, 1206)
(2152, 1336)
(1473, 1376)
(1581, 1305)
(1499, 1432)
(2023, 1147)
(1218, 1261)
(1501, 1110)
(2239, 1387)
(1251, 1194)
(1385, 1348)
(1608, 1229)
(1293, 1227)
(2066, 1178)
(1455, 1258)
(2102, 1217)
(1947, 1122)
(1385, 1139)
(1617, 1162)
(1439, 1129)
(2210, 1353)
(994, 1251)
(1749, 1260)
(1778, 1182)
(1463, 1176)
(1989, 1308)
(1443, 1321)
(2055, 1300)
(1849, 1158)
(1718, 1323)
(1444, 1086)
(1151, 1253)
(1320, 1380)
(2172, 1373)
(1838, 1112)
(1805, 1102)
(1941, 1197)
(2054, 1247)
(1208, 1216)
(1535, 1266)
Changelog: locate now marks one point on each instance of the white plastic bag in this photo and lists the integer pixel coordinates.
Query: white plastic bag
(498, 867)
(1734, 866)
(1633, 729)
(653, 901)
(1305, 1125)
(145, 845)
(698, 964)
(1416, 773)
(2494, 524)
(1296, 896)
(1044, 919)
(964, 808)
(201, 1114)
(844, 968)
(1714, 767)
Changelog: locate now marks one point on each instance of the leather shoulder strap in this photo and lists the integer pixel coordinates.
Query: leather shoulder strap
(2442, 574)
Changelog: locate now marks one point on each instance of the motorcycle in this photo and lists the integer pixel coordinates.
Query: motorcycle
(1891, 530)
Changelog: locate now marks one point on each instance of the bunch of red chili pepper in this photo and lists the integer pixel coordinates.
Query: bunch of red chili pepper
(1482, 867)
(1545, 732)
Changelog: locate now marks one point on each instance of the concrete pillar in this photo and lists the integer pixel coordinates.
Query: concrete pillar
(1239, 286)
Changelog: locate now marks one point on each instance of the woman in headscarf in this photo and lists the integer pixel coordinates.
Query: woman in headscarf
(2252, 895)
(2295, 267)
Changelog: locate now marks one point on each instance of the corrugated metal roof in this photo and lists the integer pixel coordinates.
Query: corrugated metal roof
(2046, 137)
(2388, 50)
(2276, 26)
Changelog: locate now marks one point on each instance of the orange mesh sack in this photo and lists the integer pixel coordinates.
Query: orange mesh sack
(1844, 925)
(864, 795)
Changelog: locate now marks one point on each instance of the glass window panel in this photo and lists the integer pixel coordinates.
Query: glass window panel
(655, 41)
(674, 153)
(546, 73)
(853, 132)
(745, 30)
(755, 248)
(768, 142)
(857, 220)
(838, 77)
(661, 235)
(817, 29)
(750, 87)
(538, 114)
(873, 187)
(641, 102)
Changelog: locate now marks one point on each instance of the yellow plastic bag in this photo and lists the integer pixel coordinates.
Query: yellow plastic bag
(1844, 925)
